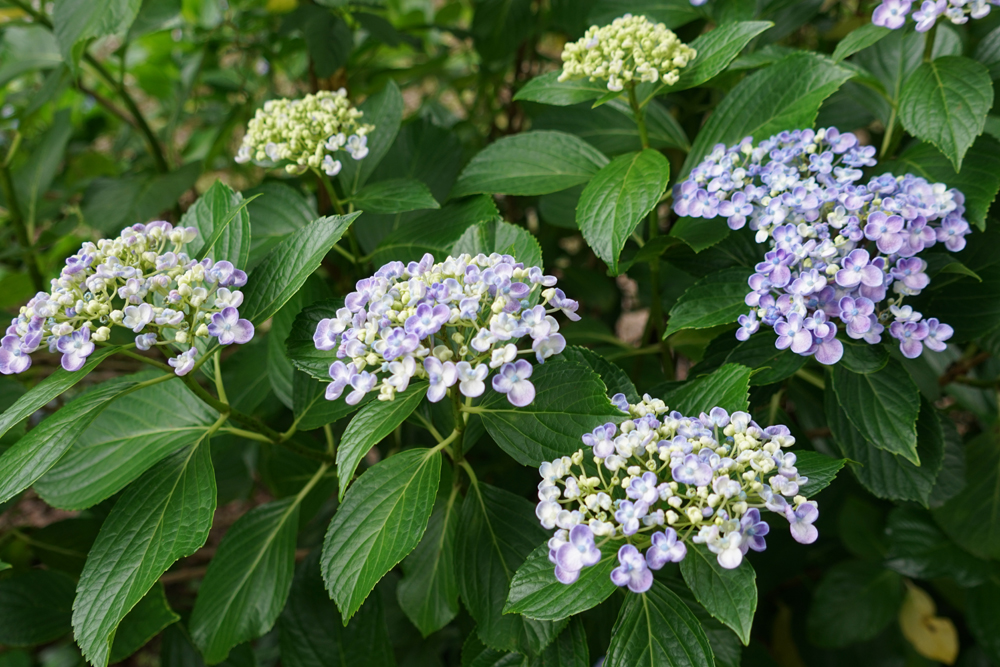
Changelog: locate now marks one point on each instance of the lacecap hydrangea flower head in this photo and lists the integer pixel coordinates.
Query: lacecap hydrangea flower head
(843, 254)
(142, 281)
(309, 133)
(892, 13)
(451, 323)
(632, 48)
(665, 481)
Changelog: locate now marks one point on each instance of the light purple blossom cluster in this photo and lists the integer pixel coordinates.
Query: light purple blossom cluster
(664, 480)
(892, 13)
(843, 255)
(142, 281)
(452, 323)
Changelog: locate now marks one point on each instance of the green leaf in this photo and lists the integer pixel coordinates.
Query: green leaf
(854, 602)
(533, 163)
(5, 566)
(618, 198)
(887, 475)
(861, 357)
(979, 179)
(34, 178)
(716, 299)
(164, 516)
(699, 233)
(615, 379)
(919, 549)
(784, 96)
(75, 22)
(499, 27)
(497, 532)
(988, 52)
(285, 269)
(547, 89)
(310, 639)
(716, 49)
(381, 520)
(146, 620)
(728, 595)
(820, 469)
(570, 400)
(313, 410)
(223, 223)
(952, 477)
(982, 612)
(883, 407)
(35, 607)
(611, 128)
(727, 388)
(42, 448)
(248, 580)
(124, 441)
(328, 39)
(656, 629)
(758, 352)
(112, 203)
(502, 237)
(46, 390)
(858, 39)
(428, 591)
(302, 350)
(384, 110)
(372, 425)
(477, 654)
(282, 210)
(945, 102)
(672, 13)
(536, 593)
(966, 518)
(970, 306)
(436, 232)
(568, 650)
(396, 195)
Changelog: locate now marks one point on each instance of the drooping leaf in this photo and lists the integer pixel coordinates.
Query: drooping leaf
(372, 425)
(966, 517)
(728, 595)
(497, 532)
(570, 400)
(285, 269)
(657, 629)
(163, 517)
(887, 475)
(312, 637)
(397, 195)
(75, 22)
(128, 438)
(727, 388)
(533, 163)
(883, 407)
(536, 593)
(854, 602)
(42, 448)
(945, 102)
(785, 96)
(919, 549)
(716, 299)
(428, 591)
(858, 39)
(35, 607)
(381, 520)
(248, 580)
(618, 198)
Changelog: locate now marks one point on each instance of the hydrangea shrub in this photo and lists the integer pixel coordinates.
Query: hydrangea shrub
(480, 334)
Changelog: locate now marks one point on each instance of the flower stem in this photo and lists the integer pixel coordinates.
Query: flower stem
(640, 117)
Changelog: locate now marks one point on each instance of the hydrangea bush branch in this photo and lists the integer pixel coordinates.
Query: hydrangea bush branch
(143, 281)
(664, 481)
(843, 254)
(452, 323)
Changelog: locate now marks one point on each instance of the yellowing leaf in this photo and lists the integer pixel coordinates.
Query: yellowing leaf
(932, 636)
(281, 6)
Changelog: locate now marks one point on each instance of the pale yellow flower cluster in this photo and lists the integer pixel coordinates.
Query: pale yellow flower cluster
(632, 48)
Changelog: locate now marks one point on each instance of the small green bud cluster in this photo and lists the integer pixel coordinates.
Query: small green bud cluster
(306, 133)
(632, 48)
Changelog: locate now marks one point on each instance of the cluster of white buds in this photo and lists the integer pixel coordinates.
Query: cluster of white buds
(306, 133)
(142, 281)
(664, 480)
(632, 48)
